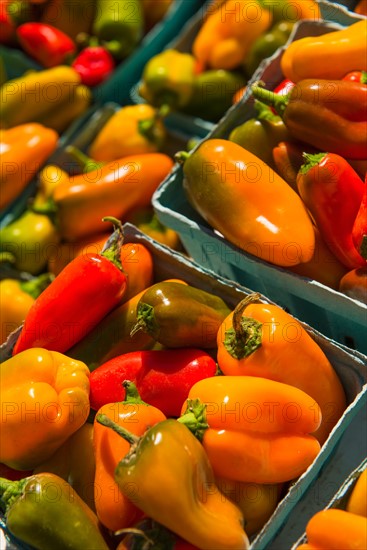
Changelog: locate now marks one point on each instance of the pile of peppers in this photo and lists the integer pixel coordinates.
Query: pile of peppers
(93, 408)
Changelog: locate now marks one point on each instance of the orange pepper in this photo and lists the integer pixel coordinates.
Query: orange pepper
(361, 7)
(335, 529)
(253, 429)
(137, 262)
(357, 501)
(263, 340)
(228, 32)
(114, 510)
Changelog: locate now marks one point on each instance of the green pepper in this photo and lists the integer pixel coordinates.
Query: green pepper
(178, 315)
(213, 93)
(261, 134)
(168, 79)
(266, 45)
(119, 25)
(30, 239)
(45, 512)
(181, 494)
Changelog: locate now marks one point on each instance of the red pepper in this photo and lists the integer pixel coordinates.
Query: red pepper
(356, 76)
(94, 64)
(163, 377)
(45, 43)
(332, 191)
(284, 87)
(7, 25)
(88, 288)
(12, 14)
(359, 231)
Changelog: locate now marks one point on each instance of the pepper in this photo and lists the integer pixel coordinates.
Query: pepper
(356, 76)
(198, 512)
(146, 220)
(226, 184)
(70, 17)
(37, 94)
(62, 253)
(354, 284)
(213, 93)
(94, 64)
(168, 79)
(115, 189)
(163, 377)
(44, 511)
(228, 32)
(16, 298)
(45, 399)
(288, 159)
(112, 336)
(357, 500)
(334, 529)
(266, 44)
(361, 7)
(118, 26)
(12, 14)
(24, 149)
(293, 10)
(263, 340)
(45, 43)
(177, 315)
(253, 429)
(330, 115)
(90, 286)
(332, 191)
(261, 134)
(329, 56)
(359, 229)
(115, 509)
(155, 11)
(75, 463)
(132, 130)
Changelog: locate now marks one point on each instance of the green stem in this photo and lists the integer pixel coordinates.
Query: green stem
(264, 112)
(34, 287)
(311, 160)
(278, 101)
(182, 156)
(245, 335)
(10, 491)
(113, 253)
(131, 394)
(86, 163)
(194, 418)
(108, 423)
(145, 320)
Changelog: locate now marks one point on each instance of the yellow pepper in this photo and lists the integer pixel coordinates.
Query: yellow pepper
(44, 399)
(133, 130)
(229, 31)
(16, 298)
(23, 151)
(357, 502)
(329, 56)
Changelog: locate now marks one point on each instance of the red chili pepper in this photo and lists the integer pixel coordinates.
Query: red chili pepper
(45, 43)
(94, 64)
(332, 191)
(284, 87)
(356, 76)
(163, 377)
(88, 288)
(359, 231)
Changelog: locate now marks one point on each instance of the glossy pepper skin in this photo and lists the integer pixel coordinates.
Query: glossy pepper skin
(54, 386)
(329, 56)
(115, 509)
(263, 340)
(354, 284)
(163, 377)
(227, 33)
(204, 518)
(45, 43)
(64, 252)
(261, 134)
(359, 229)
(24, 150)
(357, 500)
(288, 159)
(43, 500)
(248, 430)
(118, 26)
(111, 337)
(293, 10)
(226, 184)
(333, 192)
(94, 64)
(133, 130)
(16, 298)
(147, 221)
(75, 302)
(333, 529)
(177, 315)
(330, 115)
(74, 462)
(116, 188)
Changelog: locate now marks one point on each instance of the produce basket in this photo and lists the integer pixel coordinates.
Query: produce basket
(349, 365)
(334, 314)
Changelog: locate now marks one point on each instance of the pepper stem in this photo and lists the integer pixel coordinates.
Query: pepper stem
(245, 335)
(131, 394)
(34, 287)
(113, 252)
(182, 156)
(195, 418)
(108, 423)
(264, 112)
(87, 164)
(363, 247)
(278, 101)
(145, 320)
(311, 160)
(10, 491)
